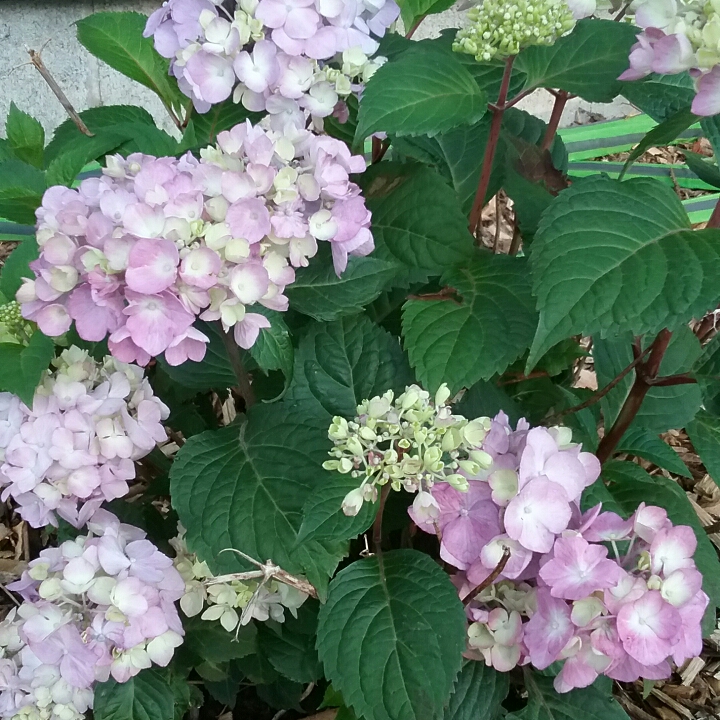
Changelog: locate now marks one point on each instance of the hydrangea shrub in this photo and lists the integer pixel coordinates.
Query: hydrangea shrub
(289, 430)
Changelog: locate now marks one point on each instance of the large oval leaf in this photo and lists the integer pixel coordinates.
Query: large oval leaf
(391, 636)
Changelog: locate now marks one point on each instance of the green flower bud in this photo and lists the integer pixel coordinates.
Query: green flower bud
(481, 458)
(451, 440)
(339, 428)
(475, 432)
(354, 446)
(367, 434)
(442, 395)
(468, 466)
(458, 482)
(432, 460)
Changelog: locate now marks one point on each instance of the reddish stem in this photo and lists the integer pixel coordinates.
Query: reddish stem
(497, 110)
(644, 376)
(714, 221)
(561, 98)
(412, 30)
(377, 525)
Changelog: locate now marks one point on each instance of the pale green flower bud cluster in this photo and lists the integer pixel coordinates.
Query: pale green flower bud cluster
(233, 603)
(13, 326)
(410, 441)
(498, 29)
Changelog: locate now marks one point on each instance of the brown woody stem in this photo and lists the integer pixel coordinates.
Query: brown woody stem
(244, 386)
(714, 221)
(561, 99)
(497, 110)
(377, 525)
(490, 579)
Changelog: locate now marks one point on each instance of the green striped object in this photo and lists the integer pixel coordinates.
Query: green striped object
(683, 176)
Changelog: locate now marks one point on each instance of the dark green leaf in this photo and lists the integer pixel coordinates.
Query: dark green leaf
(616, 256)
(587, 62)
(478, 693)
(208, 641)
(23, 367)
(662, 134)
(417, 221)
(422, 92)
(16, 267)
(147, 696)
(244, 487)
(21, 190)
(485, 398)
(117, 39)
(463, 341)
(273, 349)
(321, 294)
(545, 703)
(649, 446)
(660, 96)
(413, 10)
(391, 636)
(704, 433)
(340, 364)
(707, 170)
(707, 372)
(25, 135)
(221, 116)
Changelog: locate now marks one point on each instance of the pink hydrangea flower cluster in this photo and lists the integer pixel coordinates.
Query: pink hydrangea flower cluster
(678, 36)
(98, 606)
(76, 446)
(554, 593)
(288, 57)
(154, 243)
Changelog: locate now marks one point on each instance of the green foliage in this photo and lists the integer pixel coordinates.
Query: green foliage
(648, 446)
(21, 190)
(147, 696)
(704, 432)
(16, 267)
(478, 693)
(391, 635)
(25, 136)
(421, 92)
(611, 257)
(23, 367)
(461, 341)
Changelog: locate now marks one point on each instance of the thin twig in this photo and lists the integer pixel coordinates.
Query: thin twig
(10, 595)
(244, 386)
(496, 241)
(36, 60)
(490, 579)
(600, 394)
(516, 240)
(377, 525)
(497, 111)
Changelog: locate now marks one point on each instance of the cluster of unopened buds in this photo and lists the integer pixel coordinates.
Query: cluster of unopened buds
(498, 29)
(410, 441)
(99, 606)
(233, 600)
(537, 576)
(287, 57)
(679, 36)
(76, 446)
(154, 243)
(13, 326)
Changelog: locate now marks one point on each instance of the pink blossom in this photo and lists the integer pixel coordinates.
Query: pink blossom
(548, 630)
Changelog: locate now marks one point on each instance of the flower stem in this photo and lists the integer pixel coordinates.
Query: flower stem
(497, 110)
(490, 579)
(644, 375)
(560, 100)
(714, 221)
(377, 525)
(244, 387)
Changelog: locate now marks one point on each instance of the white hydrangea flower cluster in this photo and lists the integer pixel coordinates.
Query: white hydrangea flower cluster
(98, 606)
(498, 29)
(76, 447)
(411, 442)
(230, 601)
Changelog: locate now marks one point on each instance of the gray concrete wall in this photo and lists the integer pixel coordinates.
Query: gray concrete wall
(88, 82)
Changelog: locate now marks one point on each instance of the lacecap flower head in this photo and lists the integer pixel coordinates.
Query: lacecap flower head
(143, 251)
(76, 446)
(288, 58)
(99, 606)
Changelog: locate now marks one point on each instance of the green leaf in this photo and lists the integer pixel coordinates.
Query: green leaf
(244, 487)
(208, 641)
(21, 190)
(630, 485)
(706, 169)
(221, 116)
(461, 342)
(478, 693)
(417, 221)
(147, 696)
(17, 267)
(707, 372)
(663, 408)
(649, 446)
(587, 62)
(23, 367)
(704, 433)
(323, 517)
(662, 134)
(340, 364)
(213, 372)
(422, 92)
(25, 136)
(117, 39)
(613, 256)
(660, 96)
(290, 645)
(391, 636)
(413, 10)
(485, 398)
(321, 294)
(545, 703)
(273, 349)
